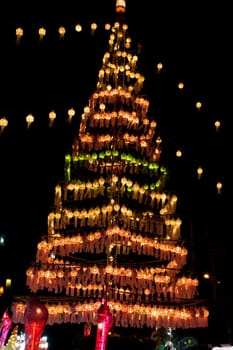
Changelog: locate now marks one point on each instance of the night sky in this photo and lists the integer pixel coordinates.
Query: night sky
(36, 76)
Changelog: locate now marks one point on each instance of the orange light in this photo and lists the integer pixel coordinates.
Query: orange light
(1, 290)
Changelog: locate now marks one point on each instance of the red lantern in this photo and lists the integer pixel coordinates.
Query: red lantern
(104, 324)
(35, 318)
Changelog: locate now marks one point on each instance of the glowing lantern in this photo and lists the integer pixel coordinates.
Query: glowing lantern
(19, 34)
(29, 119)
(6, 325)
(71, 113)
(93, 28)
(219, 187)
(198, 106)
(62, 32)
(104, 324)
(78, 28)
(35, 318)
(3, 123)
(159, 67)
(52, 117)
(42, 33)
(217, 125)
(179, 153)
(120, 6)
(180, 85)
(199, 172)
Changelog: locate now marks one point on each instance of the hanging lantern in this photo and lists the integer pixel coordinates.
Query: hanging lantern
(5, 326)
(78, 28)
(42, 33)
(199, 172)
(180, 85)
(35, 318)
(3, 124)
(71, 113)
(159, 67)
(19, 34)
(104, 324)
(93, 28)
(29, 119)
(217, 125)
(198, 105)
(52, 117)
(62, 31)
(219, 187)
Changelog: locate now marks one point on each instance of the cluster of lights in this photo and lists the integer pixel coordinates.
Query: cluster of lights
(125, 315)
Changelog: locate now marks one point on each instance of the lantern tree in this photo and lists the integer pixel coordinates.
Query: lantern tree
(114, 225)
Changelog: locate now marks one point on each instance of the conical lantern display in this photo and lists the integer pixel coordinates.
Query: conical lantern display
(114, 225)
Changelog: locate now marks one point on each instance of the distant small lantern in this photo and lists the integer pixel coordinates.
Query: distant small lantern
(180, 85)
(71, 113)
(199, 172)
(217, 125)
(159, 67)
(19, 34)
(219, 187)
(29, 119)
(62, 31)
(198, 105)
(52, 117)
(93, 28)
(78, 28)
(3, 124)
(42, 33)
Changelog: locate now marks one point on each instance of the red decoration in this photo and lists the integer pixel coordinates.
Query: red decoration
(35, 318)
(5, 326)
(104, 324)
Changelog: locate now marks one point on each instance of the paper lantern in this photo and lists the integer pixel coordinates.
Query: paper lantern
(35, 318)
(104, 324)
(5, 326)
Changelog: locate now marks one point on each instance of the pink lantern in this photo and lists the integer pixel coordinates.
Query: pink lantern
(35, 318)
(5, 326)
(104, 324)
